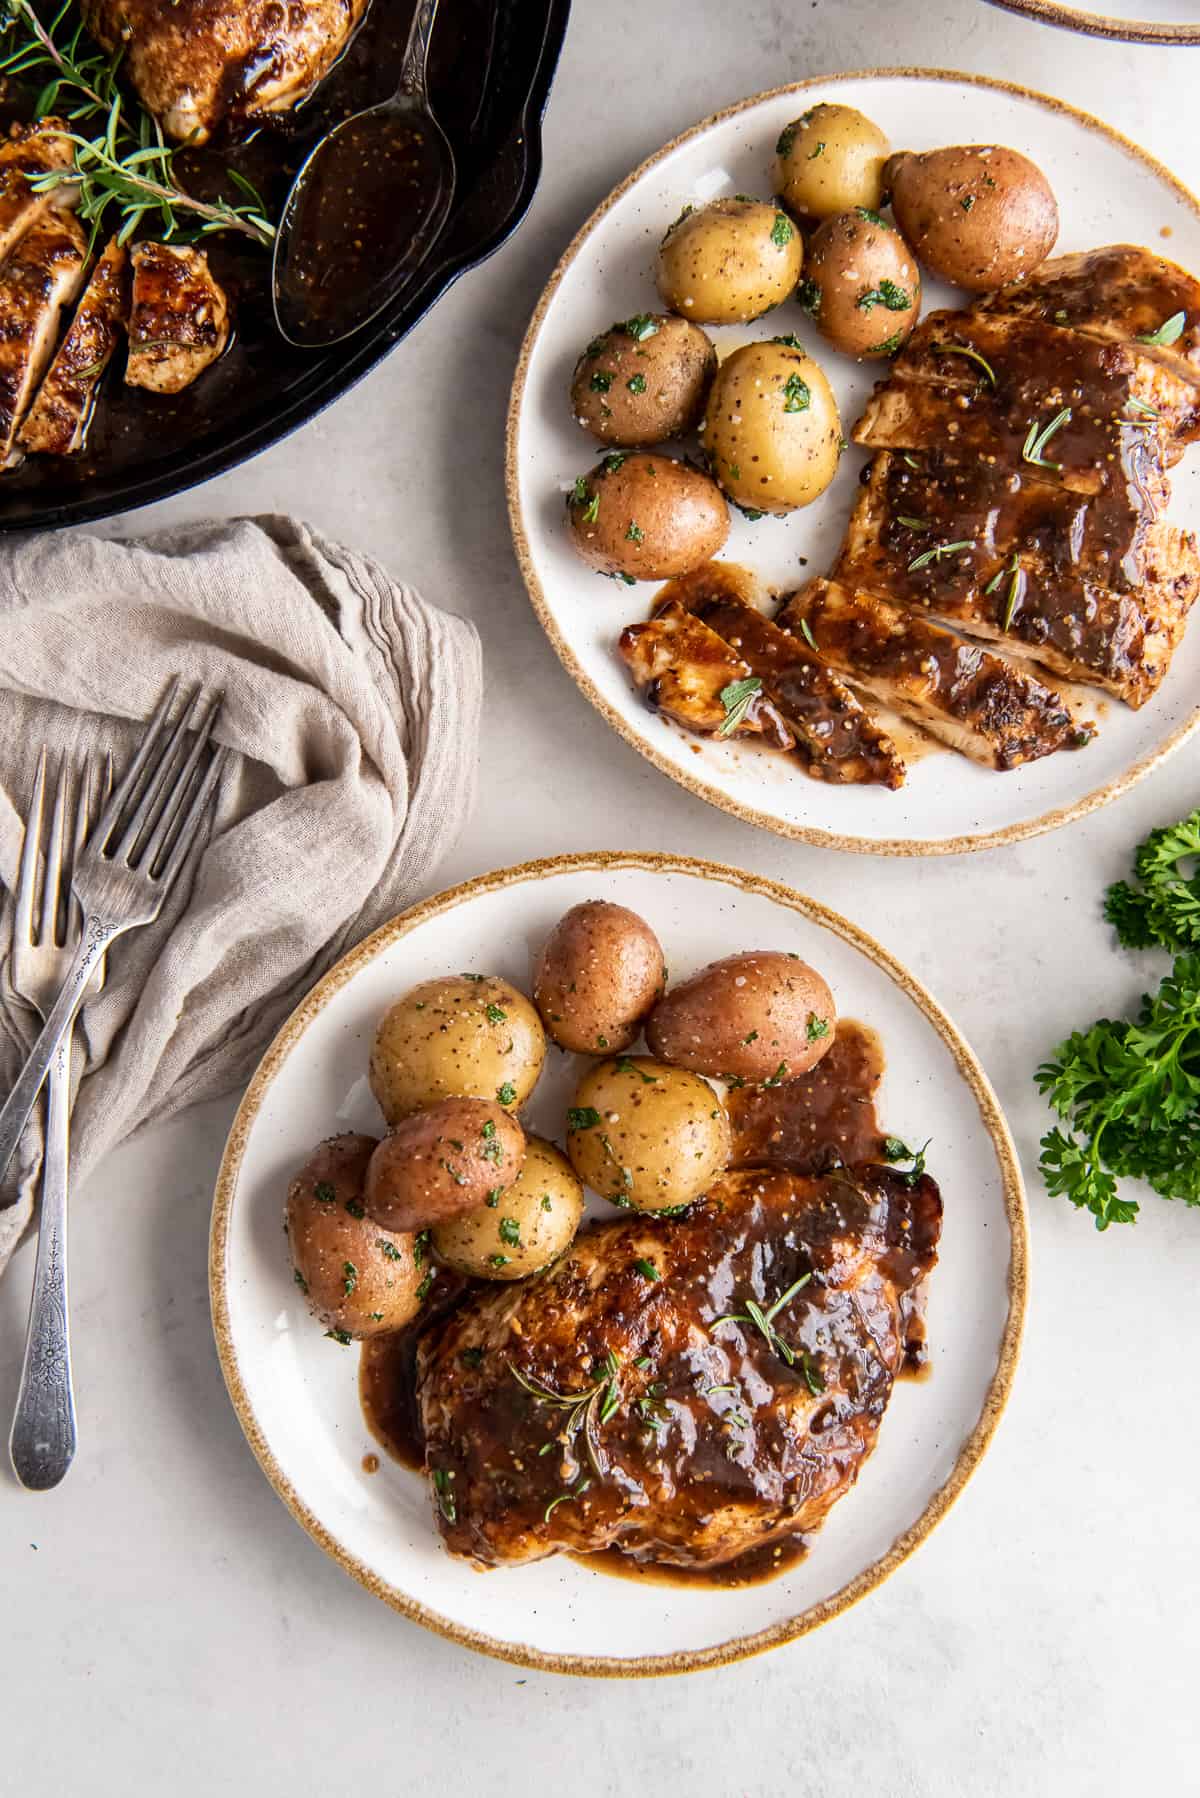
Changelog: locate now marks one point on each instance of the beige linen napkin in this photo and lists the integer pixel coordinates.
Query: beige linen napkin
(353, 707)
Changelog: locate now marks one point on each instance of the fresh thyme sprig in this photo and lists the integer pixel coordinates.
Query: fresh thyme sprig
(126, 167)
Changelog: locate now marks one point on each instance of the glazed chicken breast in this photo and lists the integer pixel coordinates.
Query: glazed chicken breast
(592, 1407)
(195, 63)
(41, 277)
(59, 417)
(30, 151)
(178, 320)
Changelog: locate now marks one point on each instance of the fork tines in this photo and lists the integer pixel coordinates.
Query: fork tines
(166, 787)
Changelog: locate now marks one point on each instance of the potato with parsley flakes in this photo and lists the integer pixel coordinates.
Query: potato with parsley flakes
(772, 432)
(359, 1279)
(861, 284)
(831, 158)
(761, 1015)
(597, 976)
(439, 1162)
(518, 1232)
(730, 261)
(645, 1135)
(979, 215)
(642, 517)
(643, 380)
(462, 1036)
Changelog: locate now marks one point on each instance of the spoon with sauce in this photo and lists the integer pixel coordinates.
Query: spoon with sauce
(365, 208)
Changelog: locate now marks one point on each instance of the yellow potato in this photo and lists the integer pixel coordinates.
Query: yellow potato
(772, 432)
(521, 1230)
(467, 1035)
(762, 1015)
(829, 159)
(730, 261)
(358, 1278)
(442, 1161)
(598, 975)
(646, 1135)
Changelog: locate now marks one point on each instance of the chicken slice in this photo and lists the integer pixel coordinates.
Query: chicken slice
(59, 417)
(959, 692)
(1055, 575)
(682, 668)
(30, 151)
(836, 736)
(41, 277)
(197, 62)
(179, 317)
(1122, 292)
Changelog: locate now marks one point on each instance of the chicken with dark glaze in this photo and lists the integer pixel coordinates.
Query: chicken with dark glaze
(58, 420)
(179, 317)
(40, 278)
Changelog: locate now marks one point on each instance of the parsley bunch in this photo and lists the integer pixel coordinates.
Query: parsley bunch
(1130, 1092)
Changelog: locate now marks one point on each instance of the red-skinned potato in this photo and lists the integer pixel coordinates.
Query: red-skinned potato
(979, 215)
(439, 1162)
(598, 976)
(763, 1015)
(358, 1278)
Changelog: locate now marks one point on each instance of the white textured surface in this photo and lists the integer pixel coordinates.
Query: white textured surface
(173, 1629)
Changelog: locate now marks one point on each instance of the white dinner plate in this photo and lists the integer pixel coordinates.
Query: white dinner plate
(1137, 21)
(295, 1391)
(1109, 191)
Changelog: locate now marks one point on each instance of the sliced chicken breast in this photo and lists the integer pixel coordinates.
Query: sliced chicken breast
(959, 692)
(682, 668)
(179, 317)
(30, 151)
(41, 277)
(59, 417)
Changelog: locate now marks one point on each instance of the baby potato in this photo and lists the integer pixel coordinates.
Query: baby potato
(467, 1035)
(829, 159)
(772, 432)
(978, 215)
(761, 1015)
(729, 261)
(599, 973)
(442, 1161)
(646, 518)
(358, 1278)
(646, 1135)
(861, 284)
(517, 1232)
(644, 380)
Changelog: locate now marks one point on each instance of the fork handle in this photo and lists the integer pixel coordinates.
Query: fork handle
(18, 1107)
(43, 1439)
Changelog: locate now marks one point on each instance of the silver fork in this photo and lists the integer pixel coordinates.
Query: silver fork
(142, 840)
(43, 1439)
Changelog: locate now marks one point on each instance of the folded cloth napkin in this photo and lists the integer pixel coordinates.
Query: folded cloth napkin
(353, 707)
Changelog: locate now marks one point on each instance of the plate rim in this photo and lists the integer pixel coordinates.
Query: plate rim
(968, 842)
(970, 1453)
(1075, 18)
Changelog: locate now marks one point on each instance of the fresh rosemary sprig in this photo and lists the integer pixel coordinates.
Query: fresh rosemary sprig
(125, 168)
(963, 349)
(1034, 448)
(764, 1321)
(937, 552)
(586, 1410)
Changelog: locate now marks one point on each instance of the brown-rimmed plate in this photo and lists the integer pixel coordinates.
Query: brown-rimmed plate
(295, 1391)
(1156, 21)
(1109, 191)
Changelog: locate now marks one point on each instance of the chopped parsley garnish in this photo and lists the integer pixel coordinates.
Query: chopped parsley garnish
(493, 1198)
(443, 1491)
(389, 1248)
(1169, 332)
(635, 533)
(625, 1066)
(547, 1202)
(510, 1232)
(886, 294)
(614, 460)
(354, 1207)
(342, 1336)
(816, 1027)
(601, 381)
(791, 341)
(647, 1270)
(808, 295)
(819, 151)
(349, 1277)
(420, 1247)
(582, 1117)
(894, 1150)
(324, 1193)
(506, 1093)
(640, 326)
(872, 218)
(495, 1015)
(785, 140)
(471, 1357)
(888, 347)
(636, 383)
(602, 1042)
(752, 1038)
(424, 1288)
(797, 396)
(298, 1277)
(967, 201)
(499, 1260)
(737, 699)
(782, 231)
(778, 1076)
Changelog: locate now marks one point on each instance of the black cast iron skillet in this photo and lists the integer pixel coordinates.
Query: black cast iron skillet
(491, 70)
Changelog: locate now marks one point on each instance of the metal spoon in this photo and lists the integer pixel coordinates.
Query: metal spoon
(365, 208)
